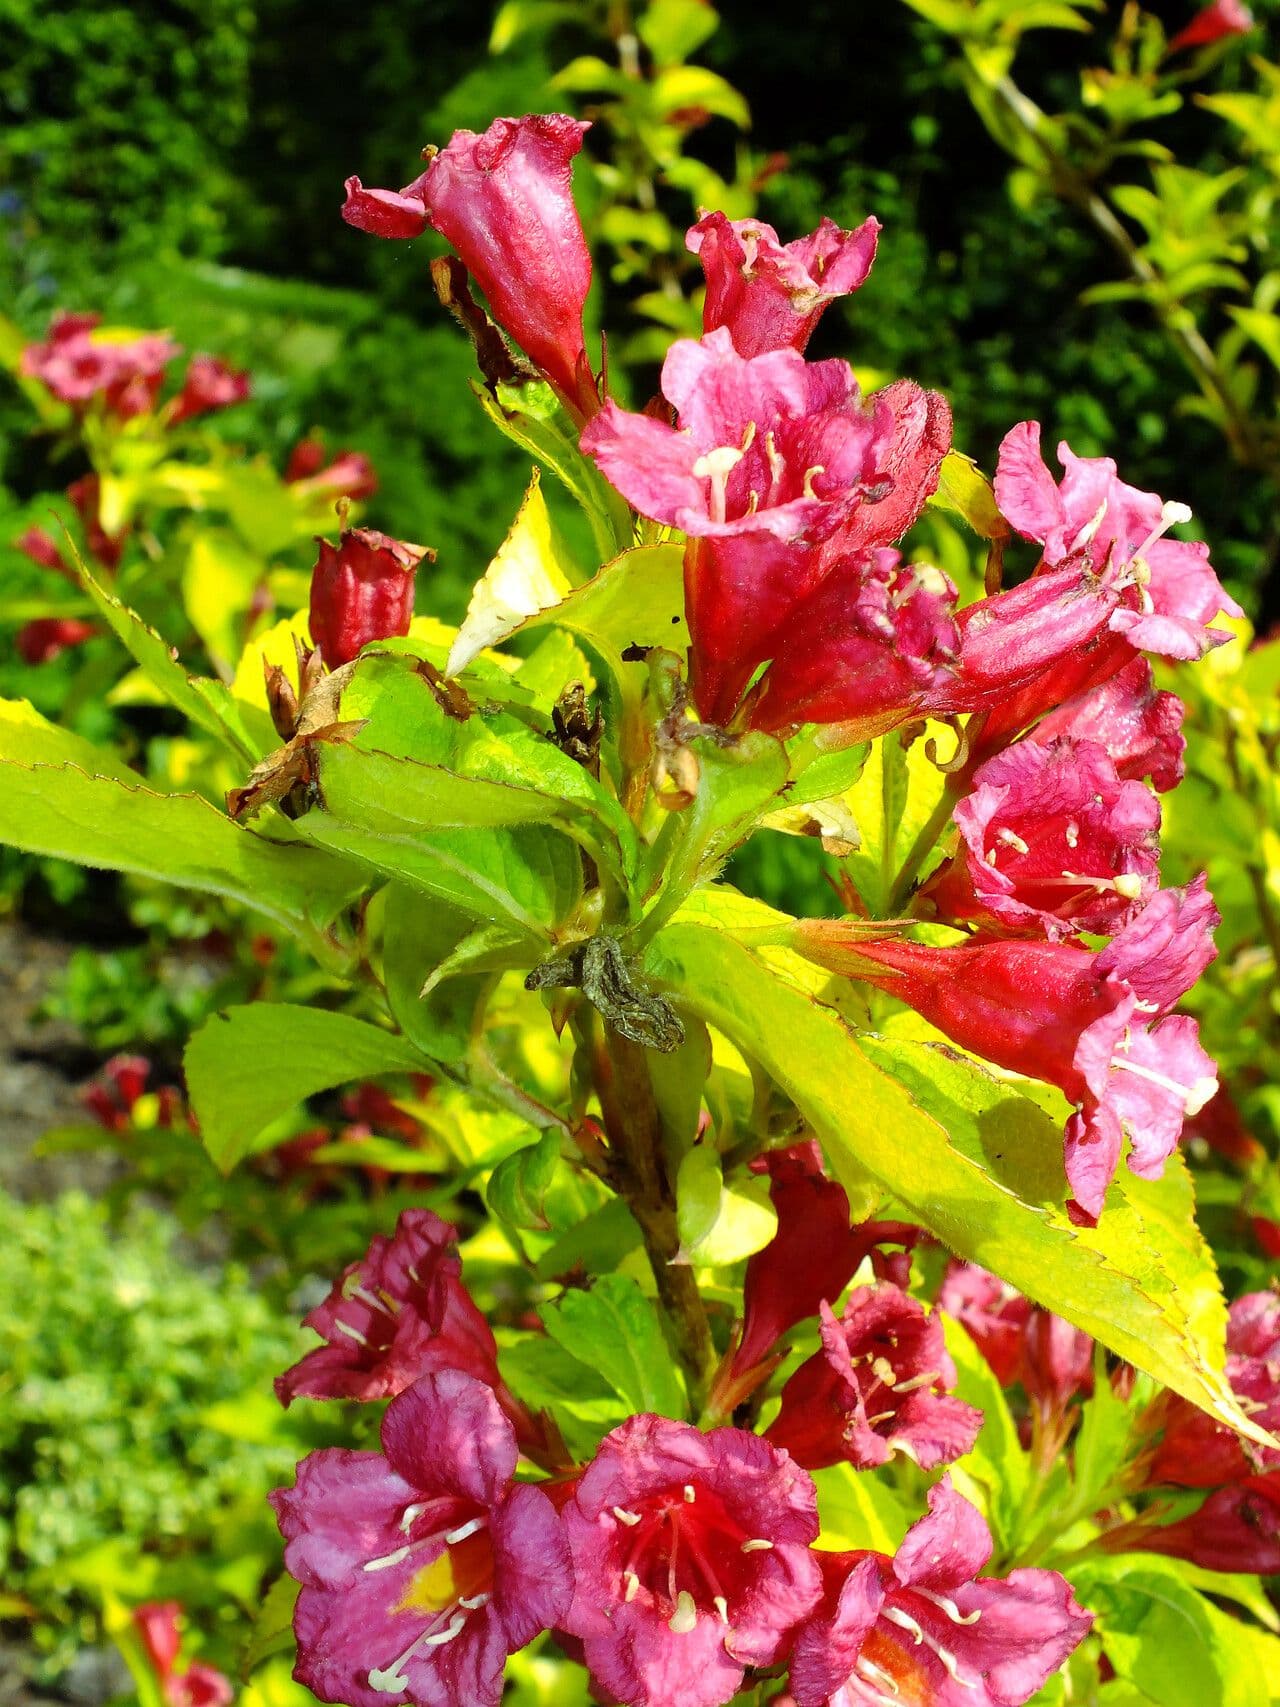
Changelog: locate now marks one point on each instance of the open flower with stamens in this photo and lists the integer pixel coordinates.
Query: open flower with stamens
(1053, 842)
(400, 1312)
(692, 1561)
(1139, 727)
(925, 1628)
(1093, 514)
(771, 295)
(425, 1565)
(879, 1385)
(1091, 1024)
(1194, 1451)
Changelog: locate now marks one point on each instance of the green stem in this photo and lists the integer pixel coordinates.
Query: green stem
(921, 848)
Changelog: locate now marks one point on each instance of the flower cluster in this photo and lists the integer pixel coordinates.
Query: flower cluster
(121, 374)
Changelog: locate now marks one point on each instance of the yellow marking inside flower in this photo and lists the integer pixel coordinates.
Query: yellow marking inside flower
(908, 1680)
(431, 1589)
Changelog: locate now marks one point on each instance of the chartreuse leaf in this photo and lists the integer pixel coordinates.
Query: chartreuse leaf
(32, 740)
(208, 704)
(54, 806)
(247, 1066)
(525, 578)
(614, 1328)
(997, 1460)
(965, 490)
(973, 1161)
(859, 1511)
(891, 802)
(719, 1224)
(1164, 1637)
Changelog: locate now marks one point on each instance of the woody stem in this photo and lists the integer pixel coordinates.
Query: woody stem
(634, 1128)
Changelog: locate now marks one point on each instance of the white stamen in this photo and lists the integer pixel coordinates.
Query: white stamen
(1011, 839)
(413, 1274)
(633, 1586)
(366, 1297)
(685, 1617)
(914, 1381)
(876, 1674)
(1073, 834)
(387, 1559)
(411, 1515)
(690, 1493)
(465, 1530)
(1128, 885)
(1087, 532)
(884, 1371)
(952, 1611)
(630, 1518)
(810, 475)
(756, 1545)
(472, 1602)
(904, 1621)
(390, 1680)
(351, 1333)
(722, 1608)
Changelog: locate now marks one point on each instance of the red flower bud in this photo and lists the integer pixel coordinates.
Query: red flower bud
(1213, 23)
(362, 590)
(39, 642)
(210, 384)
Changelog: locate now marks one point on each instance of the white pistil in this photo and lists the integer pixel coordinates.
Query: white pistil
(876, 1674)
(952, 1611)
(690, 1493)
(465, 1530)
(1128, 886)
(633, 1586)
(1170, 515)
(388, 1559)
(685, 1617)
(630, 1518)
(349, 1331)
(716, 466)
(757, 1545)
(1193, 1097)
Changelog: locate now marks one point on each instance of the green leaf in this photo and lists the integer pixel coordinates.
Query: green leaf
(615, 1329)
(207, 704)
(975, 1162)
(421, 941)
(891, 803)
(719, 1225)
(272, 1631)
(673, 29)
(997, 1460)
(859, 1511)
(965, 490)
(31, 739)
(548, 1377)
(597, 1245)
(61, 810)
(247, 1066)
(518, 1186)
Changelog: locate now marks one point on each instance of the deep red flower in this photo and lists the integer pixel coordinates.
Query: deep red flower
(504, 201)
(1236, 1529)
(362, 590)
(209, 384)
(80, 361)
(112, 1095)
(41, 640)
(879, 1385)
(1053, 842)
(200, 1685)
(42, 549)
(771, 295)
(1093, 514)
(923, 1627)
(402, 1311)
(813, 1255)
(1213, 23)
(86, 495)
(425, 1565)
(1089, 1023)
(1194, 1451)
(994, 1314)
(1139, 727)
(873, 645)
(692, 1561)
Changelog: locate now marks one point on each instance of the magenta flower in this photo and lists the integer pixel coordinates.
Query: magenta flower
(813, 1255)
(1053, 842)
(868, 649)
(1213, 23)
(425, 1565)
(200, 1685)
(1196, 1452)
(1090, 1023)
(692, 1561)
(771, 295)
(361, 591)
(310, 472)
(209, 384)
(879, 1385)
(992, 1313)
(79, 362)
(400, 1312)
(924, 1627)
(504, 201)
(1139, 727)
(1115, 526)
(769, 457)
